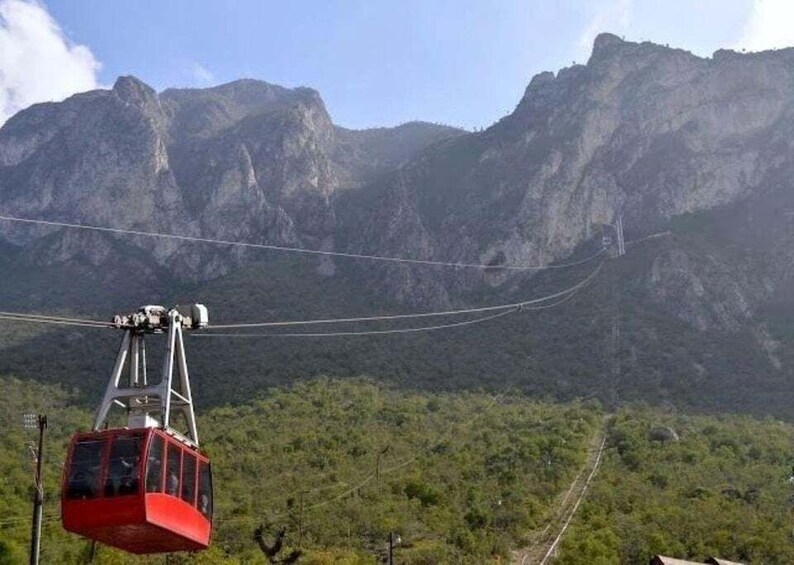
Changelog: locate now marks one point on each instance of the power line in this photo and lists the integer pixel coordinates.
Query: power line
(46, 321)
(525, 303)
(508, 308)
(504, 308)
(281, 248)
(371, 332)
(399, 330)
(59, 318)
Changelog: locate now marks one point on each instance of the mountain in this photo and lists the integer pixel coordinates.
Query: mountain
(695, 154)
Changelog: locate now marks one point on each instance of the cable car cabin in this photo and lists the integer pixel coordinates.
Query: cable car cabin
(140, 490)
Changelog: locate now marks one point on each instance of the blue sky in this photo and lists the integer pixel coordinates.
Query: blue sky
(376, 62)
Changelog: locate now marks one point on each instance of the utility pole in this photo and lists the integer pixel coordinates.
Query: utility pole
(40, 421)
(394, 539)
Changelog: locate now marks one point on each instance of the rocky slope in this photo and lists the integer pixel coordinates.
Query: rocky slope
(642, 130)
(698, 150)
(246, 160)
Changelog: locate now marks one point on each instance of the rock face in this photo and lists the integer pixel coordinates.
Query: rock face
(247, 160)
(642, 130)
(696, 155)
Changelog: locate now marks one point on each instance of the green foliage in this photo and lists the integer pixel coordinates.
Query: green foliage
(11, 553)
(560, 353)
(304, 458)
(721, 490)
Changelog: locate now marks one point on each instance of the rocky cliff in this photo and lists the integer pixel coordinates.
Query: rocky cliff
(246, 160)
(642, 130)
(696, 155)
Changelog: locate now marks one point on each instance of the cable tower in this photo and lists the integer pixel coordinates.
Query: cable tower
(153, 405)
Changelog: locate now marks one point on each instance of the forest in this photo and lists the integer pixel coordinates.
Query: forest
(333, 466)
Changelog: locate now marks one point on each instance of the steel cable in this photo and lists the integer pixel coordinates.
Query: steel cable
(281, 248)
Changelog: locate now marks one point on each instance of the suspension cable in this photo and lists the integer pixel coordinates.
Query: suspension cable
(400, 330)
(577, 286)
(55, 322)
(58, 318)
(281, 248)
(506, 308)
(372, 332)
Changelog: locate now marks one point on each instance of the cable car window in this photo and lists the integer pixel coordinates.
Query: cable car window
(85, 469)
(189, 478)
(174, 470)
(154, 465)
(205, 490)
(124, 466)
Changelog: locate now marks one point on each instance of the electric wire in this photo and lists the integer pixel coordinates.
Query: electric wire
(501, 310)
(60, 318)
(398, 330)
(53, 322)
(370, 332)
(522, 304)
(508, 308)
(281, 248)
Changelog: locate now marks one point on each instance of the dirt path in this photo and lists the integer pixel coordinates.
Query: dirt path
(545, 542)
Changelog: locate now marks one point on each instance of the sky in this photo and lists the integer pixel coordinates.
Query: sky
(375, 62)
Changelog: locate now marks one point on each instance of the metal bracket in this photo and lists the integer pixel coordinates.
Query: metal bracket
(152, 405)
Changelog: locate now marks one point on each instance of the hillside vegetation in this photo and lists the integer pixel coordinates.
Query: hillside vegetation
(693, 154)
(563, 352)
(450, 459)
(304, 458)
(723, 489)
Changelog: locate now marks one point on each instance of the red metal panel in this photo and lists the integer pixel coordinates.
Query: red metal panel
(178, 517)
(138, 523)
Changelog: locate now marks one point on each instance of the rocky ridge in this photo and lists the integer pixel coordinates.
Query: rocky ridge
(697, 151)
(246, 160)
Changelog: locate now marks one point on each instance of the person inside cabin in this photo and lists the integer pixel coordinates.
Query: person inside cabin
(128, 483)
(205, 490)
(154, 466)
(172, 486)
(85, 469)
(123, 466)
(80, 484)
(154, 474)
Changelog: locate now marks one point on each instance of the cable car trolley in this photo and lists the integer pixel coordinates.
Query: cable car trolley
(145, 487)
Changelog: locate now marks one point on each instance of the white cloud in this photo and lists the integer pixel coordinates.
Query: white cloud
(38, 63)
(770, 26)
(201, 75)
(613, 16)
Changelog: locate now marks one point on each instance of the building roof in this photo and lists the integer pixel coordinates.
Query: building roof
(663, 560)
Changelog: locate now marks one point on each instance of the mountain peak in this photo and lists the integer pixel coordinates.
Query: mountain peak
(133, 90)
(606, 41)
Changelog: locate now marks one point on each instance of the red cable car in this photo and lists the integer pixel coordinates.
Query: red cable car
(143, 488)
